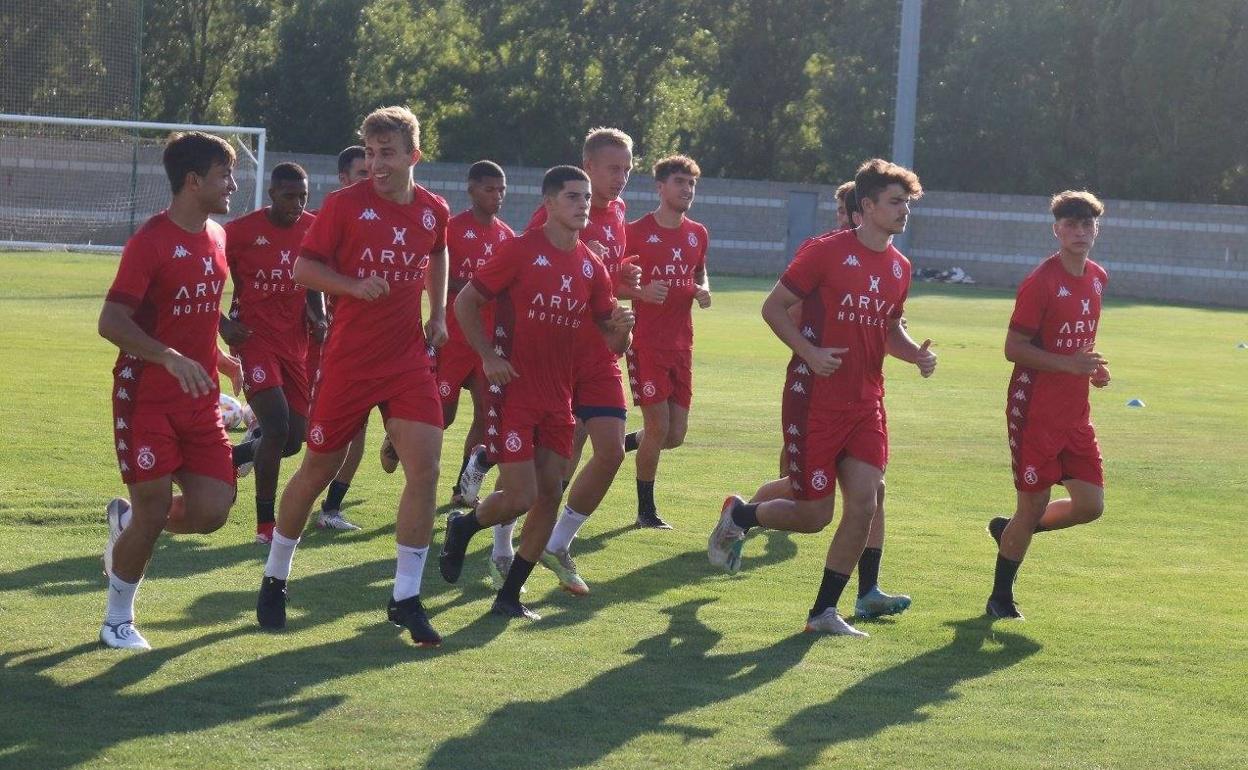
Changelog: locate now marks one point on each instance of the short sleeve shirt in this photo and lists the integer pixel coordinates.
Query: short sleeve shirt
(262, 264)
(673, 256)
(469, 245)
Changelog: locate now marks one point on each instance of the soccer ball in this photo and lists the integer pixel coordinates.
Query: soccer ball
(231, 412)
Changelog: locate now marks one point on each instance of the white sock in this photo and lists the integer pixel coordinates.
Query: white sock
(565, 529)
(408, 570)
(120, 600)
(281, 556)
(502, 540)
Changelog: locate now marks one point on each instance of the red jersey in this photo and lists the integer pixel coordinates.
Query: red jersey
(173, 280)
(1059, 313)
(470, 244)
(358, 233)
(544, 299)
(850, 296)
(262, 264)
(673, 256)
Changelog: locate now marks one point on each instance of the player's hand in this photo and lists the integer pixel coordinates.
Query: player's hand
(1085, 362)
(498, 370)
(824, 361)
(192, 378)
(926, 359)
(370, 288)
(703, 296)
(235, 333)
(1100, 378)
(654, 292)
(231, 367)
(599, 250)
(622, 319)
(435, 331)
(630, 272)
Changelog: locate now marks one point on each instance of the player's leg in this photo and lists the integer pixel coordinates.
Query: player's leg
(133, 531)
(780, 488)
(514, 494)
(476, 431)
(1015, 540)
(273, 413)
(873, 602)
(538, 524)
(1085, 505)
(419, 446)
(859, 482)
(605, 427)
(579, 436)
(651, 440)
(330, 515)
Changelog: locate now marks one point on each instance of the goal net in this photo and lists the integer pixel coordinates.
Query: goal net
(85, 183)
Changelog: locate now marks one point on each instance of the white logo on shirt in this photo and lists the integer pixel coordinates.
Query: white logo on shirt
(208, 267)
(1024, 378)
(470, 235)
(608, 233)
(819, 480)
(123, 394)
(317, 434)
(793, 450)
(122, 446)
(126, 374)
(801, 368)
(541, 261)
(400, 235)
(499, 332)
(798, 387)
(369, 214)
(121, 424)
(647, 390)
(653, 238)
(498, 350)
(587, 268)
(444, 388)
(793, 431)
(146, 458)
(492, 431)
(428, 219)
(852, 261)
(1030, 475)
(897, 269)
(180, 251)
(1097, 286)
(261, 241)
(676, 255)
(565, 283)
(513, 442)
(257, 375)
(1087, 306)
(1016, 413)
(1062, 292)
(489, 249)
(693, 240)
(808, 332)
(875, 283)
(1020, 395)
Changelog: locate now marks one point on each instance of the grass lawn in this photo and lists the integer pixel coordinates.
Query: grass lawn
(1133, 653)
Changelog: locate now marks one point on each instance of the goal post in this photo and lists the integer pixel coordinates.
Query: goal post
(86, 184)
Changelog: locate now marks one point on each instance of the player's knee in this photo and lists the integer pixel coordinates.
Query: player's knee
(1091, 510)
(611, 456)
(817, 516)
(674, 439)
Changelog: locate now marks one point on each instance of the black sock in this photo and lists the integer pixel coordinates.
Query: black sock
(565, 484)
(829, 591)
(333, 498)
(645, 497)
(869, 570)
(746, 516)
(1003, 580)
(264, 511)
(245, 452)
(519, 572)
(462, 465)
(631, 442)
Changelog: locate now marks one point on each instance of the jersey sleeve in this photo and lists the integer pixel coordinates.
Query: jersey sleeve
(321, 241)
(805, 273)
(900, 310)
(1029, 306)
(443, 218)
(601, 292)
(234, 240)
(134, 274)
(492, 278)
(538, 219)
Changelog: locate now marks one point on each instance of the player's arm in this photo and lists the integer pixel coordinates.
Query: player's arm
(702, 287)
(455, 285)
(900, 345)
(117, 325)
(435, 327)
(231, 367)
(1085, 362)
(617, 328)
(316, 275)
(822, 361)
(314, 309)
(627, 283)
(235, 333)
(468, 312)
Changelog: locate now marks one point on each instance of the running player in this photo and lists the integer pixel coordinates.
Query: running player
(852, 286)
(374, 246)
(351, 169)
(672, 257)
(162, 313)
(547, 286)
(1052, 343)
(267, 329)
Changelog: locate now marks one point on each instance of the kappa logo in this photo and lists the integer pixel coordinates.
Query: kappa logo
(180, 251)
(444, 388)
(1016, 412)
(123, 394)
(493, 412)
(808, 332)
(1024, 378)
(1020, 395)
(500, 332)
(124, 468)
(498, 351)
(121, 424)
(801, 368)
(587, 268)
(1013, 426)
(819, 480)
(496, 390)
(852, 261)
(126, 373)
(369, 215)
(261, 240)
(1087, 306)
(146, 458)
(428, 220)
(400, 235)
(1013, 443)
(647, 390)
(316, 435)
(470, 235)
(794, 467)
(793, 450)
(676, 255)
(122, 445)
(1030, 476)
(653, 238)
(693, 240)
(541, 261)
(1097, 286)
(875, 283)
(257, 375)
(491, 431)
(897, 271)
(793, 431)
(798, 387)
(513, 442)
(1062, 291)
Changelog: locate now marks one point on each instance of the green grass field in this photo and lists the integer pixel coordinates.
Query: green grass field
(1133, 654)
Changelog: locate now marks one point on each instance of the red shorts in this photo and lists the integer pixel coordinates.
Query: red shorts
(456, 363)
(155, 444)
(598, 389)
(340, 406)
(263, 370)
(657, 376)
(1042, 456)
(514, 432)
(815, 443)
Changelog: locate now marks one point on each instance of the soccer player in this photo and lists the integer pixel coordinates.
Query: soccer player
(267, 328)
(375, 246)
(162, 312)
(547, 286)
(352, 168)
(853, 287)
(672, 257)
(1052, 343)
(472, 238)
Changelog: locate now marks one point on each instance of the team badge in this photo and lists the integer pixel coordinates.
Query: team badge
(896, 269)
(444, 388)
(513, 442)
(317, 435)
(428, 220)
(819, 480)
(647, 390)
(146, 458)
(1097, 286)
(693, 240)
(587, 268)
(1030, 476)
(258, 375)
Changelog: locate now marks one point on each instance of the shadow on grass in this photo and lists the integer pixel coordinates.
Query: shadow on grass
(898, 695)
(674, 673)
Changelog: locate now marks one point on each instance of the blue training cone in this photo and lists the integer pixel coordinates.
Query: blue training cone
(1135, 402)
